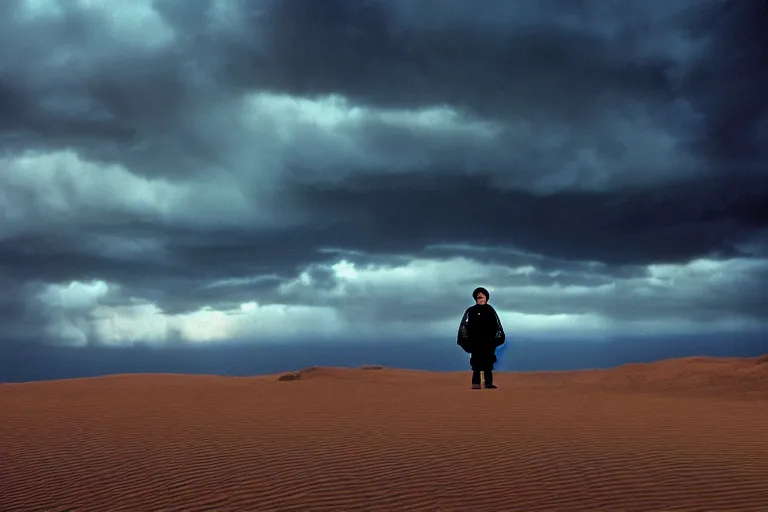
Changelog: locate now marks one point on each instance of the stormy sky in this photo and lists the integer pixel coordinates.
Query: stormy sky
(199, 171)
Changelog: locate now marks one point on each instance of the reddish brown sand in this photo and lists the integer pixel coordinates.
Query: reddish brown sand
(689, 434)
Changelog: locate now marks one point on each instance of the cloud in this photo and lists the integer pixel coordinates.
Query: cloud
(702, 291)
(348, 301)
(224, 169)
(45, 190)
(67, 309)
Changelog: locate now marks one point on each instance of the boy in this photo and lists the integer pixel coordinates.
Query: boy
(480, 333)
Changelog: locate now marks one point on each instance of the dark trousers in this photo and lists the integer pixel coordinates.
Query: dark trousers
(483, 361)
(488, 377)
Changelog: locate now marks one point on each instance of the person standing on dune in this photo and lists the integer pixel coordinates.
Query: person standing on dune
(480, 333)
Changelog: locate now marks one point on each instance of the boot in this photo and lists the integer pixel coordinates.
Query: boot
(475, 379)
(489, 379)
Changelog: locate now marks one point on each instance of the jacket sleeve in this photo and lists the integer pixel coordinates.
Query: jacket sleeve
(500, 337)
(462, 339)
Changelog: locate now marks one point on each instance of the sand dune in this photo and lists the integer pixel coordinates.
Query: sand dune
(688, 434)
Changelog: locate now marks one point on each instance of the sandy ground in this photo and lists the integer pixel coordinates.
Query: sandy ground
(687, 434)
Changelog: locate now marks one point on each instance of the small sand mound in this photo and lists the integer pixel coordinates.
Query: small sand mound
(328, 373)
(762, 360)
(371, 367)
(316, 372)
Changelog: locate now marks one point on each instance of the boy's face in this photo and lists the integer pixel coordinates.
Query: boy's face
(481, 298)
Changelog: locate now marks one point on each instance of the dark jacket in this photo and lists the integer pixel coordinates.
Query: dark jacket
(480, 329)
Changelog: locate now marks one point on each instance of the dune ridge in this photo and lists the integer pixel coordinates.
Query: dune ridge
(682, 434)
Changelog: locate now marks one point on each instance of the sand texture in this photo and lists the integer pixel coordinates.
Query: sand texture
(686, 434)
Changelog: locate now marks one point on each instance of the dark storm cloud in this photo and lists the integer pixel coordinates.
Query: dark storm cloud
(592, 138)
(15, 319)
(730, 84)
(558, 58)
(663, 225)
(551, 62)
(685, 218)
(395, 53)
(387, 54)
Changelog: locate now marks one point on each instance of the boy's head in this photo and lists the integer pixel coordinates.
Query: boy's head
(481, 295)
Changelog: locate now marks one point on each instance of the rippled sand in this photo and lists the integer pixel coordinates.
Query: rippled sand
(686, 434)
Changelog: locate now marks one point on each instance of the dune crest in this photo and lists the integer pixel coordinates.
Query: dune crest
(685, 434)
(328, 372)
(692, 376)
